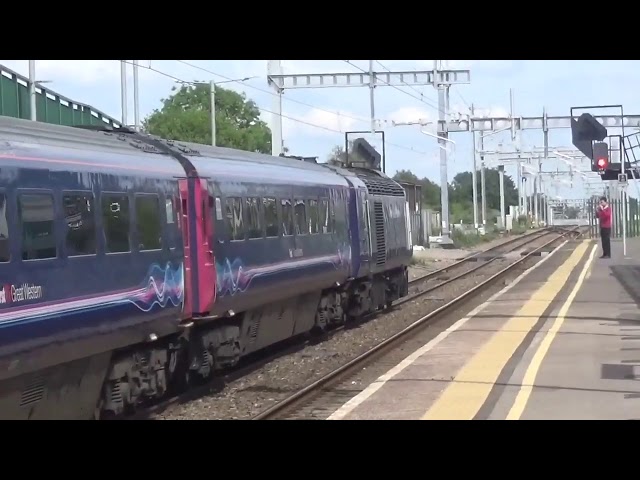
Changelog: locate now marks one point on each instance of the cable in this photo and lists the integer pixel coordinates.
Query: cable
(359, 119)
(393, 86)
(186, 82)
(410, 86)
(270, 92)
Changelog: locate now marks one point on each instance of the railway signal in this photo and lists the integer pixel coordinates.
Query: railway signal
(600, 160)
(584, 131)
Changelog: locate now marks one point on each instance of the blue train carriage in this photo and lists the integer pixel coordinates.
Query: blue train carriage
(279, 228)
(91, 261)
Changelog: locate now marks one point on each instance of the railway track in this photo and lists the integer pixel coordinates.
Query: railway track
(321, 398)
(469, 265)
(444, 276)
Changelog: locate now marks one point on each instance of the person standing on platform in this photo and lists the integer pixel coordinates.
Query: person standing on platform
(603, 213)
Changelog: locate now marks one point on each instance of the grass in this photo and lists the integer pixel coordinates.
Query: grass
(519, 229)
(461, 239)
(423, 262)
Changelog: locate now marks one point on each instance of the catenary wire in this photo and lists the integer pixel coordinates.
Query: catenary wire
(294, 119)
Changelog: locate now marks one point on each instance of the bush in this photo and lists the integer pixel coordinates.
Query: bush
(461, 239)
(518, 229)
(471, 239)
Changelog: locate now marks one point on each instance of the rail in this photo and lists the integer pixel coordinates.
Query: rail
(279, 409)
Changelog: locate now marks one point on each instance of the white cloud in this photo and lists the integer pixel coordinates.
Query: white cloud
(410, 114)
(76, 71)
(492, 111)
(319, 122)
(314, 123)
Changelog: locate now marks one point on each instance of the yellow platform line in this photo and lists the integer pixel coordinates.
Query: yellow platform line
(528, 381)
(465, 395)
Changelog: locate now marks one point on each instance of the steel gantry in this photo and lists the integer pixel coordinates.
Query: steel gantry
(441, 79)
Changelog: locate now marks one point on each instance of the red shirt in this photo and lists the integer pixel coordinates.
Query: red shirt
(604, 215)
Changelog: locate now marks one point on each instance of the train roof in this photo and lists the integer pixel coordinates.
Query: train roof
(18, 137)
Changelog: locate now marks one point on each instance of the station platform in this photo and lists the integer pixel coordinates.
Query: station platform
(560, 342)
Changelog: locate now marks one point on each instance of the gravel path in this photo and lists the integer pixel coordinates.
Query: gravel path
(247, 396)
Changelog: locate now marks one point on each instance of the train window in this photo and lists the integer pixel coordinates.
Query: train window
(148, 223)
(37, 216)
(270, 216)
(5, 253)
(331, 220)
(287, 217)
(323, 216)
(254, 229)
(301, 218)
(168, 207)
(115, 218)
(79, 217)
(313, 216)
(234, 218)
(183, 221)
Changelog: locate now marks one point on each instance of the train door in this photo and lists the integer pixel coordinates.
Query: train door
(363, 225)
(206, 260)
(183, 216)
(196, 207)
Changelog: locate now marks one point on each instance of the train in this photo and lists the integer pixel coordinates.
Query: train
(134, 266)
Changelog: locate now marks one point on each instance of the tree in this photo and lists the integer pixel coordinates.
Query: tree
(461, 190)
(461, 193)
(186, 116)
(430, 190)
(338, 156)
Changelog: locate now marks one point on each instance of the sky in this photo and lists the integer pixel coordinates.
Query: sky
(316, 118)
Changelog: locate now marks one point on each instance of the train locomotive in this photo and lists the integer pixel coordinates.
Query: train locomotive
(132, 265)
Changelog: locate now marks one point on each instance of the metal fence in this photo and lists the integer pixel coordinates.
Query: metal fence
(414, 198)
(51, 107)
(632, 218)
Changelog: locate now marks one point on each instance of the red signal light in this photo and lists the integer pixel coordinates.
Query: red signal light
(602, 162)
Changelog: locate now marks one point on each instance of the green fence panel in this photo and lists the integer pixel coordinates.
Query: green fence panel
(51, 107)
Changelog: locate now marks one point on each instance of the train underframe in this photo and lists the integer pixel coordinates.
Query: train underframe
(115, 383)
(200, 352)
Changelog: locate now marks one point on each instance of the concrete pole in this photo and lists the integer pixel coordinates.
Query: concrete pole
(371, 97)
(474, 177)
(32, 90)
(275, 68)
(123, 91)
(213, 113)
(503, 219)
(136, 99)
(525, 200)
(483, 185)
(443, 102)
(535, 200)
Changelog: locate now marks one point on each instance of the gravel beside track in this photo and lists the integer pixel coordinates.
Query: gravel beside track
(430, 260)
(245, 397)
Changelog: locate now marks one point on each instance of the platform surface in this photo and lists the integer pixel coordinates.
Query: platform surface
(561, 342)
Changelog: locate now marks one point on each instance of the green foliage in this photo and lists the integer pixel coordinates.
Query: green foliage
(186, 116)
(518, 229)
(430, 190)
(461, 193)
(471, 239)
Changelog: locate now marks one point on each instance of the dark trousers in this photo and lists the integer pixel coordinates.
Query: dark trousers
(605, 234)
